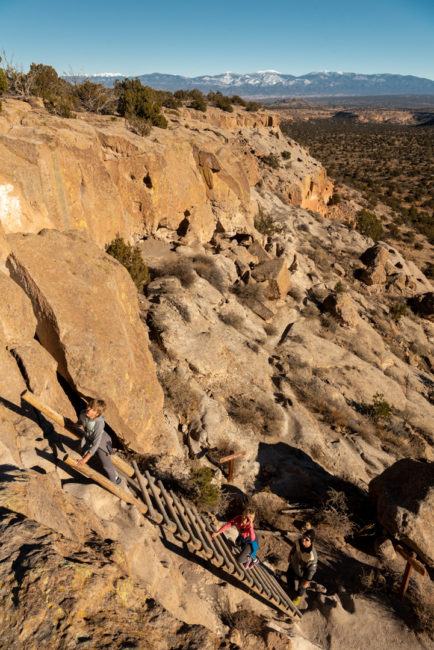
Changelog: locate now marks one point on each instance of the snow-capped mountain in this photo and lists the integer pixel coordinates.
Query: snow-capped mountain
(270, 83)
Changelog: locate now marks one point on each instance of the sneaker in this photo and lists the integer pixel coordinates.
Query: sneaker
(118, 480)
(254, 562)
(296, 601)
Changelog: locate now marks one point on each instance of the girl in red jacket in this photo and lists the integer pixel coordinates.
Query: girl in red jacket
(246, 537)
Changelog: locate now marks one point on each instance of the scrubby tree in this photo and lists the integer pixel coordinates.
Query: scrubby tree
(239, 101)
(253, 106)
(134, 99)
(3, 83)
(94, 97)
(221, 101)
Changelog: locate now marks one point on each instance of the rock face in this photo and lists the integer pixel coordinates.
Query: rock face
(384, 265)
(56, 592)
(342, 307)
(404, 494)
(88, 320)
(94, 175)
(276, 277)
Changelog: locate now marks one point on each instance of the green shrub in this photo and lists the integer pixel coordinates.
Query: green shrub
(130, 257)
(253, 106)
(272, 161)
(286, 155)
(198, 104)
(221, 101)
(3, 81)
(181, 95)
(43, 81)
(339, 287)
(140, 101)
(206, 494)
(368, 224)
(380, 409)
(239, 101)
(335, 199)
(398, 310)
(265, 225)
(94, 97)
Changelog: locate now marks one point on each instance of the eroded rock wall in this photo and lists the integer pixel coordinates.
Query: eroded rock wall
(94, 175)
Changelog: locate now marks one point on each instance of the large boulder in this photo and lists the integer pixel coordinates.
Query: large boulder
(276, 276)
(404, 494)
(424, 305)
(88, 319)
(343, 308)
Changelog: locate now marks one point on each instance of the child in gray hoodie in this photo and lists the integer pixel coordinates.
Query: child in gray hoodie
(96, 440)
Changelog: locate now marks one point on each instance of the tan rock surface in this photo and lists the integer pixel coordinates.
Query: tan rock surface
(276, 276)
(56, 592)
(343, 308)
(87, 311)
(17, 320)
(39, 369)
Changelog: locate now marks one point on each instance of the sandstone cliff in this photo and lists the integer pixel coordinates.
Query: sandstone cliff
(93, 175)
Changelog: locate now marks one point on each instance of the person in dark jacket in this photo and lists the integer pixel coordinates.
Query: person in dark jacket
(303, 560)
(95, 439)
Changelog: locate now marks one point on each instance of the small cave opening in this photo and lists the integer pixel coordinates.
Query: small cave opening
(183, 228)
(147, 181)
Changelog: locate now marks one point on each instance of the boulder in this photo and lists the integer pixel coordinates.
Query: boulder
(17, 320)
(40, 368)
(423, 305)
(258, 253)
(376, 255)
(342, 307)
(404, 496)
(275, 273)
(88, 319)
(373, 275)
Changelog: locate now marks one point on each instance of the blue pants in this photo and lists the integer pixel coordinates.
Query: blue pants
(248, 547)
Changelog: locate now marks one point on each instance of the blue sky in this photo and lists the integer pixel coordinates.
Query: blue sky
(200, 37)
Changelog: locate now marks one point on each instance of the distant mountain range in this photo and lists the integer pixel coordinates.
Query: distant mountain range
(269, 83)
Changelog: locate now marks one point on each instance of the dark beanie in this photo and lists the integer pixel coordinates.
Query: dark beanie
(309, 533)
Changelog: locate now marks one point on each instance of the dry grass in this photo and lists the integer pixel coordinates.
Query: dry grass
(207, 269)
(262, 416)
(333, 520)
(183, 400)
(250, 293)
(233, 319)
(181, 269)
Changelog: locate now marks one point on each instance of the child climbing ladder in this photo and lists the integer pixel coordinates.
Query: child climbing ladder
(246, 538)
(96, 439)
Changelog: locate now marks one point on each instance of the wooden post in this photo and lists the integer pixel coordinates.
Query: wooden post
(412, 563)
(231, 460)
(122, 465)
(406, 578)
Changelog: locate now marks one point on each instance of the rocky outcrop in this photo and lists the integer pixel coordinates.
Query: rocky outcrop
(404, 494)
(385, 265)
(274, 274)
(88, 320)
(94, 175)
(342, 307)
(56, 592)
